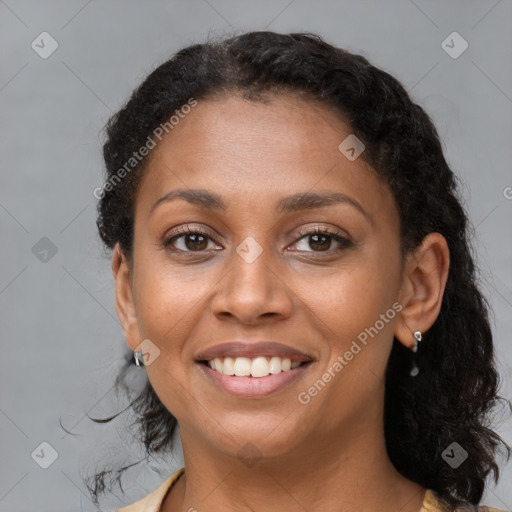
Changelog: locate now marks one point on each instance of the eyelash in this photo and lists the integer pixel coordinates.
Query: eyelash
(344, 242)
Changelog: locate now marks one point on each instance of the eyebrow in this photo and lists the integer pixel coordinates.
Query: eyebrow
(294, 203)
(198, 197)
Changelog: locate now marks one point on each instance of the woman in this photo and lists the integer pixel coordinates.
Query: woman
(293, 271)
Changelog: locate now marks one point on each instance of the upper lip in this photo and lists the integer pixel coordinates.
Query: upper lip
(251, 350)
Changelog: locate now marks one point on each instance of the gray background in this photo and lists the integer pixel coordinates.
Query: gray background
(62, 343)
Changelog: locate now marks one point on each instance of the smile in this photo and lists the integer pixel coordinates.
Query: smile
(256, 367)
(253, 378)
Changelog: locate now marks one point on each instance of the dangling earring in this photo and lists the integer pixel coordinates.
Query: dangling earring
(138, 359)
(415, 370)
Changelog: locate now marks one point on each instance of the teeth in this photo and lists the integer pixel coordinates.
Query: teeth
(258, 367)
(242, 366)
(229, 366)
(218, 364)
(275, 365)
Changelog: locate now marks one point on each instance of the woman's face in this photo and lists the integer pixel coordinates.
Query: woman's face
(252, 269)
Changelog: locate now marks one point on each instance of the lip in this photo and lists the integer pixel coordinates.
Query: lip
(253, 387)
(252, 350)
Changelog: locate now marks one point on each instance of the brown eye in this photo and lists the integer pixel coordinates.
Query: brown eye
(195, 242)
(319, 240)
(190, 240)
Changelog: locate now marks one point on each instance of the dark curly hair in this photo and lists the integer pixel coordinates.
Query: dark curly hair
(455, 392)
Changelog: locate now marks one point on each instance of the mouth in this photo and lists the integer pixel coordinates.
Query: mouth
(257, 367)
(253, 370)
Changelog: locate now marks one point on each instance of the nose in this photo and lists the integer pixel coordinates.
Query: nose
(252, 291)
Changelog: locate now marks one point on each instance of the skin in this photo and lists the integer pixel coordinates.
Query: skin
(330, 453)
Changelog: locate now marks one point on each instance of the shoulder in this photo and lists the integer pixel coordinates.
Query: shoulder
(153, 501)
(434, 503)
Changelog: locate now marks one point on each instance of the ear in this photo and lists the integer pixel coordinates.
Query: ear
(125, 305)
(423, 283)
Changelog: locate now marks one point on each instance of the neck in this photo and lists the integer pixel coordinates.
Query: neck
(344, 472)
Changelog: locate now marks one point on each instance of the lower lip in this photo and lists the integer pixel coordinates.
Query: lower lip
(253, 387)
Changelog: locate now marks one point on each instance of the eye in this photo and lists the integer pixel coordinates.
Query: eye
(187, 239)
(321, 240)
(190, 240)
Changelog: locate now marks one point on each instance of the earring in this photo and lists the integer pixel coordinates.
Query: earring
(415, 370)
(138, 359)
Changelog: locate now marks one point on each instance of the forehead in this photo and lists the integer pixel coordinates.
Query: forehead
(259, 149)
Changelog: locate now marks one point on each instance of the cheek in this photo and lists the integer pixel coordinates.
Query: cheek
(168, 308)
(169, 303)
(357, 306)
(169, 300)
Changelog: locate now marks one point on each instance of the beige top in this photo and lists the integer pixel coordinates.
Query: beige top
(153, 501)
